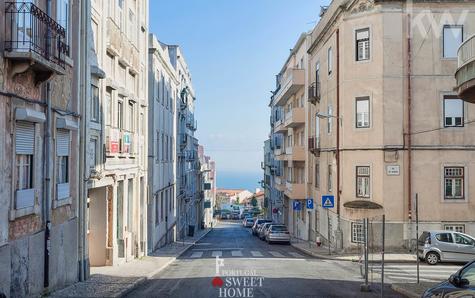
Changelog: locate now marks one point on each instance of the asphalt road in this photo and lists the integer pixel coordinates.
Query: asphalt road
(253, 268)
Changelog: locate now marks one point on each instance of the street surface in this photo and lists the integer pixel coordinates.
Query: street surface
(258, 269)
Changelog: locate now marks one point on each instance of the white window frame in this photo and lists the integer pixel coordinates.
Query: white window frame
(24, 198)
(330, 178)
(445, 177)
(63, 18)
(366, 42)
(357, 113)
(95, 104)
(329, 119)
(361, 193)
(450, 26)
(357, 232)
(330, 61)
(63, 186)
(446, 98)
(459, 228)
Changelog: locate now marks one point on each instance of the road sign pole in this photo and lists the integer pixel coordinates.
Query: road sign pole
(382, 256)
(328, 226)
(417, 236)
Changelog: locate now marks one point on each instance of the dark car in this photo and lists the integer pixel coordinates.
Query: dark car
(460, 284)
(257, 225)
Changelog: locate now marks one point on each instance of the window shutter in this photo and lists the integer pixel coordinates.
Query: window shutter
(25, 138)
(62, 142)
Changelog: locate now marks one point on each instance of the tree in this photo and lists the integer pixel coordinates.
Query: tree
(254, 202)
(237, 200)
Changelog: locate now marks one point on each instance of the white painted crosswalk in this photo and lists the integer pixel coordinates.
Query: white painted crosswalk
(256, 253)
(198, 253)
(408, 272)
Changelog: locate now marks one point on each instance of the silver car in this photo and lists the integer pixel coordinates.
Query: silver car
(277, 233)
(445, 246)
(262, 231)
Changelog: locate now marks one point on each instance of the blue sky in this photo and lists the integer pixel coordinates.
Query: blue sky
(234, 49)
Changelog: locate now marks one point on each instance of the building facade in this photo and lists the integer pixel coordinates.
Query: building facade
(288, 105)
(117, 131)
(163, 91)
(384, 123)
(208, 175)
(39, 145)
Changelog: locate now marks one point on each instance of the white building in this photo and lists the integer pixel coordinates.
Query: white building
(163, 86)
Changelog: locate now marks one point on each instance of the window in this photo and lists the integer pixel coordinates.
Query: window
(94, 103)
(317, 131)
(362, 45)
(453, 183)
(157, 157)
(131, 117)
(453, 38)
(330, 61)
(93, 153)
(362, 182)
(317, 175)
(329, 119)
(63, 19)
(161, 205)
(157, 211)
(330, 178)
(455, 228)
(444, 237)
(317, 72)
(461, 239)
(120, 16)
(62, 163)
(357, 232)
(120, 115)
(108, 107)
(453, 111)
(24, 150)
(362, 112)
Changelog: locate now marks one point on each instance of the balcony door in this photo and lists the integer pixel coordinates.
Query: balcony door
(22, 35)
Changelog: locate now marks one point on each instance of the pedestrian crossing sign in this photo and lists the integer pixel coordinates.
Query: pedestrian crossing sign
(328, 201)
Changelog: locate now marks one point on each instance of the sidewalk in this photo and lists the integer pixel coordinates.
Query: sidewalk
(412, 290)
(322, 253)
(117, 281)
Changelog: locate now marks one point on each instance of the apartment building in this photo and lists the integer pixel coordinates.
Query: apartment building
(208, 175)
(117, 131)
(39, 145)
(288, 106)
(385, 122)
(187, 163)
(163, 95)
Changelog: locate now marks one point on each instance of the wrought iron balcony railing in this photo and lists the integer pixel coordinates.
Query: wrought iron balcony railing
(314, 92)
(29, 29)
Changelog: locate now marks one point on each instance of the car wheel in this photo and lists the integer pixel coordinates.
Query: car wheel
(432, 258)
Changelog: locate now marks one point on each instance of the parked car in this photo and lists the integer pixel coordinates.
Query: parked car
(262, 230)
(442, 246)
(278, 233)
(257, 224)
(248, 222)
(235, 215)
(460, 284)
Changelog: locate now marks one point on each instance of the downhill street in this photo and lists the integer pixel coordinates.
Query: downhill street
(277, 271)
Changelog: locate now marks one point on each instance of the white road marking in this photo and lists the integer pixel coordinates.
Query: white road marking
(236, 253)
(217, 253)
(294, 254)
(276, 254)
(256, 253)
(197, 254)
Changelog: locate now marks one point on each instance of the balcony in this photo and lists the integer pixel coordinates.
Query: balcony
(295, 191)
(295, 153)
(465, 75)
(279, 184)
(33, 40)
(279, 127)
(314, 145)
(292, 81)
(314, 92)
(295, 117)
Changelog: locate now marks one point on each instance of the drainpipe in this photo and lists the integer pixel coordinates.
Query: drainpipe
(82, 92)
(409, 116)
(47, 162)
(338, 118)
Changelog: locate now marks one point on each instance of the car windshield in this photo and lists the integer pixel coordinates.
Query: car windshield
(249, 220)
(469, 274)
(279, 229)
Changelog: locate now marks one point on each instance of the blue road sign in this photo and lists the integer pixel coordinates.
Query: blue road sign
(297, 205)
(309, 203)
(328, 201)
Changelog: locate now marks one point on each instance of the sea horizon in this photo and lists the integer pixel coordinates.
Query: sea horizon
(239, 180)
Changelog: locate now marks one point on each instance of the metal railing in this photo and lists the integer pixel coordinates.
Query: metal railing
(466, 52)
(29, 29)
(314, 92)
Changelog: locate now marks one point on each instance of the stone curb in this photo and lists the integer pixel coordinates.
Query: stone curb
(407, 293)
(142, 280)
(336, 258)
